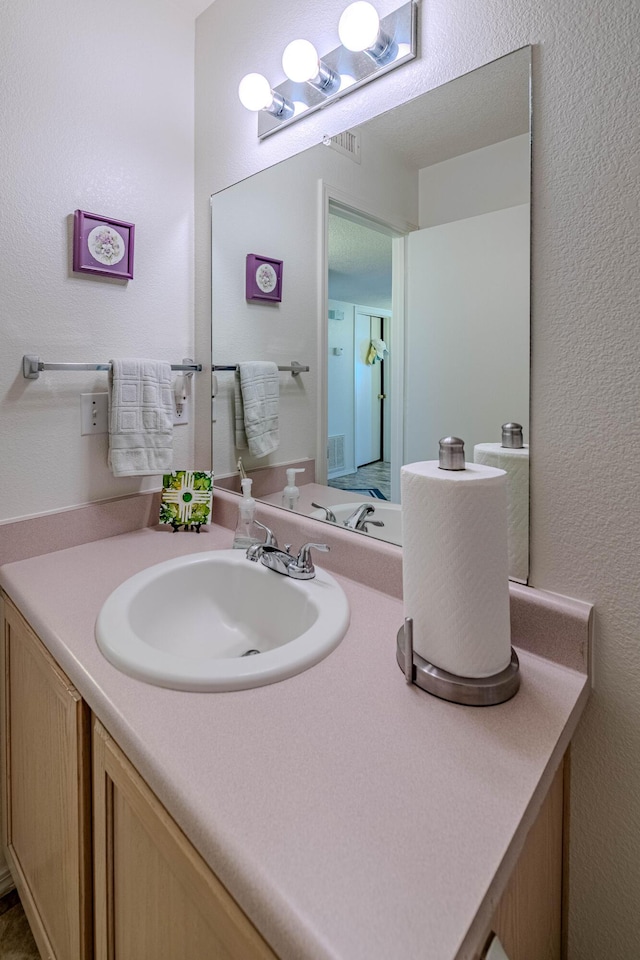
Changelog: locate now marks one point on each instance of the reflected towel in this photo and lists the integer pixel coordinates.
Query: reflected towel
(140, 418)
(257, 388)
(376, 351)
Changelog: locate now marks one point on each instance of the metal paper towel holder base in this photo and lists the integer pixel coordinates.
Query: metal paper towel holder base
(469, 691)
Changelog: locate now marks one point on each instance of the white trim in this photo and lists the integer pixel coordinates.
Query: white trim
(398, 360)
(322, 327)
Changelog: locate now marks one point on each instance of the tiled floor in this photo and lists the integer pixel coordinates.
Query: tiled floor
(16, 941)
(372, 475)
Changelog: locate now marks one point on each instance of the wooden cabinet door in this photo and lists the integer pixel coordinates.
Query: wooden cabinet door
(528, 919)
(45, 792)
(155, 898)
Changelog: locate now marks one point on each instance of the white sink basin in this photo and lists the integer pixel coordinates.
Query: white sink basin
(186, 623)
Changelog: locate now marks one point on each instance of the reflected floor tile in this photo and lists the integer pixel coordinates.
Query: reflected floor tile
(16, 939)
(373, 475)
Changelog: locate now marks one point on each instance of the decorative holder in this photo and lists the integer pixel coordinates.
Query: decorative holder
(469, 691)
(186, 499)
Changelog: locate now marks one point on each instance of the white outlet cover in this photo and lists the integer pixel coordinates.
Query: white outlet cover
(94, 413)
(183, 416)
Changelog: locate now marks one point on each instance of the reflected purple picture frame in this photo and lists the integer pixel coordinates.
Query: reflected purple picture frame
(102, 246)
(263, 278)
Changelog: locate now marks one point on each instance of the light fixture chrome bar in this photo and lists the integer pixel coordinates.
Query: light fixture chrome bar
(355, 69)
(281, 108)
(294, 367)
(327, 80)
(32, 366)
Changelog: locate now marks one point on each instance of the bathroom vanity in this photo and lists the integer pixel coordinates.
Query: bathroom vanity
(337, 814)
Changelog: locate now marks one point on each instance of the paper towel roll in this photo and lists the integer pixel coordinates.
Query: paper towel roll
(455, 573)
(515, 462)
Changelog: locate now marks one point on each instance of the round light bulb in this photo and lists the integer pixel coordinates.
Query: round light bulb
(255, 92)
(300, 61)
(359, 26)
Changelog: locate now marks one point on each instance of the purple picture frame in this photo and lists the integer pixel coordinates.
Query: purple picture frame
(102, 246)
(263, 278)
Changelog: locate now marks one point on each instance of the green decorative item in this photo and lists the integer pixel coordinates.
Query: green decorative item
(186, 499)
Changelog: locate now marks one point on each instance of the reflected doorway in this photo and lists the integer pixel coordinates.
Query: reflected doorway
(359, 379)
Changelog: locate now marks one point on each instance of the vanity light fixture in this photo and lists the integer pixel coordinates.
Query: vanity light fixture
(359, 30)
(255, 93)
(371, 46)
(301, 63)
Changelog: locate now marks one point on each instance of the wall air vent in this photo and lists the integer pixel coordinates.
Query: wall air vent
(347, 143)
(335, 452)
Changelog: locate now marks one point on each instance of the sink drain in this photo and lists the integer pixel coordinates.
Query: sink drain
(250, 653)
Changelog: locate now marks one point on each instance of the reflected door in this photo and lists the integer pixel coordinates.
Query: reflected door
(368, 391)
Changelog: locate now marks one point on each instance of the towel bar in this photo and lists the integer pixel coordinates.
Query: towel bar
(32, 366)
(294, 367)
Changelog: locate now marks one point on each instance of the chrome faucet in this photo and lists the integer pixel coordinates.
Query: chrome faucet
(281, 561)
(356, 520)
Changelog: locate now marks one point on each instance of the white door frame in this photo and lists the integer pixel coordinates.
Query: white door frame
(362, 212)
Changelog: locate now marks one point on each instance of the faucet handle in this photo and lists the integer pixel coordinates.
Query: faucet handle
(371, 523)
(329, 514)
(304, 562)
(270, 539)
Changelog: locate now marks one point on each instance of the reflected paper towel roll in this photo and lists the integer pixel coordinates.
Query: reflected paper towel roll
(515, 463)
(455, 572)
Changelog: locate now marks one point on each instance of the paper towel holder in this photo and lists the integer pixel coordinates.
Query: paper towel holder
(469, 691)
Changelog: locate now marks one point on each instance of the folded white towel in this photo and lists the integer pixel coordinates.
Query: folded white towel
(257, 388)
(140, 418)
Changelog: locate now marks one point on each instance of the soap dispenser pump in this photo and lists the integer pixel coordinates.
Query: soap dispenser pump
(291, 494)
(247, 532)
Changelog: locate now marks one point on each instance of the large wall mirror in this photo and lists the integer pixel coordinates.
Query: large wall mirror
(405, 291)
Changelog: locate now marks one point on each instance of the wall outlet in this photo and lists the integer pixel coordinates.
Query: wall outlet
(94, 413)
(181, 411)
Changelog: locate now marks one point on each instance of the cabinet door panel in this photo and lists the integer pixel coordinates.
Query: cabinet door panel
(155, 897)
(46, 793)
(528, 917)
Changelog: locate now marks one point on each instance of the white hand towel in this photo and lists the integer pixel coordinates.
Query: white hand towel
(140, 418)
(257, 388)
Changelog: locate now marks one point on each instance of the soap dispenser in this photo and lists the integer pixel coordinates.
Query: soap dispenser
(291, 494)
(247, 532)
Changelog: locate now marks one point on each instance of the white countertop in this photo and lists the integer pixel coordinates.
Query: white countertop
(351, 816)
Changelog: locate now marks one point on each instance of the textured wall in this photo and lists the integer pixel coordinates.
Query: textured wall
(586, 352)
(96, 113)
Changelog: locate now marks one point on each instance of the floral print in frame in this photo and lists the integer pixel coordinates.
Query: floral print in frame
(102, 246)
(263, 278)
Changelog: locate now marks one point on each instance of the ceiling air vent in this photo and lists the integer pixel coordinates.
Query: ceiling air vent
(347, 143)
